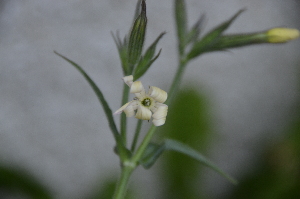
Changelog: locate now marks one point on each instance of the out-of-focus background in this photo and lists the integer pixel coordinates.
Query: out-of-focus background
(53, 129)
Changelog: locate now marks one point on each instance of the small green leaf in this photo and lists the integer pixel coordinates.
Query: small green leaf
(151, 154)
(210, 38)
(137, 38)
(147, 60)
(195, 31)
(181, 24)
(185, 149)
(122, 49)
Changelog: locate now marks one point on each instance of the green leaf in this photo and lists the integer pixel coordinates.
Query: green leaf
(147, 60)
(185, 149)
(26, 186)
(196, 126)
(195, 31)
(123, 54)
(151, 154)
(137, 38)
(101, 98)
(210, 38)
(181, 24)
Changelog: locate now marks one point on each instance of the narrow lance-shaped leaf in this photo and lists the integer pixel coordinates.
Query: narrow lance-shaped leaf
(195, 31)
(181, 24)
(121, 148)
(185, 149)
(154, 151)
(211, 37)
(122, 49)
(146, 60)
(151, 154)
(137, 38)
(147, 66)
(99, 94)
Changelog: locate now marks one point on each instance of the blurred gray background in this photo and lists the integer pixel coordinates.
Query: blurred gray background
(52, 125)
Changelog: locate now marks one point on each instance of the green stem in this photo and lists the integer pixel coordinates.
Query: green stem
(121, 188)
(136, 134)
(177, 80)
(130, 165)
(123, 121)
(137, 156)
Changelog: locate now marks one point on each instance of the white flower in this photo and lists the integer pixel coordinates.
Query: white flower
(145, 105)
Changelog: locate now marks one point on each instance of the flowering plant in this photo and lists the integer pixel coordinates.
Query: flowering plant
(154, 103)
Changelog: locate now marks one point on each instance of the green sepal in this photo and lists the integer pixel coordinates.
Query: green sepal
(181, 24)
(210, 38)
(154, 151)
(121, 148)
(137, 11)
(238, 40)
(151, 154)
(147, 60)
(137, 38)
(122, 49)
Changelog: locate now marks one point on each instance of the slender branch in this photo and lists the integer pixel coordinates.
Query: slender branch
(137, 156)
(136, 134)
(177, 80)
(123, 121)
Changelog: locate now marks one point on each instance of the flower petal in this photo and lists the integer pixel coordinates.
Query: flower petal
(161, 112)
(158, 94)
(143, 113)
(136, 87)
(128, 80)
(159, 122)
(120, 110)
(130, 109)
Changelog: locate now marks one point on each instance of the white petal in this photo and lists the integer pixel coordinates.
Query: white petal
(128, 80)
(136, 87)
(159, 122)
(130, 109)
(158, 94)
(143, 113)
(120, 110)
(161, 112)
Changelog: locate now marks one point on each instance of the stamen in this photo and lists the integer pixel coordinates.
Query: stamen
(146, 102)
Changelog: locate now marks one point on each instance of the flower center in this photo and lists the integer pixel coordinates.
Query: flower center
(146, 102)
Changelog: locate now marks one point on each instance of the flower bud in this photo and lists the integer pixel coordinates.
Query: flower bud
(281, 35)
(137, 38)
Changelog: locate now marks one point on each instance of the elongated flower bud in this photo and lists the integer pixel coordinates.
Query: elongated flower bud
(281, 35)
(137, 38)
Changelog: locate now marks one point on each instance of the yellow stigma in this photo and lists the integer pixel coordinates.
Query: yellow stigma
(281, 35)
